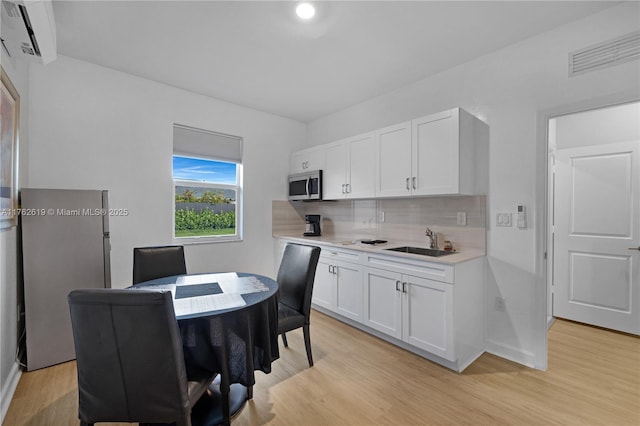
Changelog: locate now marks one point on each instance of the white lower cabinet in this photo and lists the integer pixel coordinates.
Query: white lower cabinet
(324, 286)
(433, 309)
(415, 310)
(383, 301)
(338, 283)
(427, 316)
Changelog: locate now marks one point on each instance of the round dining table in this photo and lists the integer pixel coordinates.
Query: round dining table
(229, 324)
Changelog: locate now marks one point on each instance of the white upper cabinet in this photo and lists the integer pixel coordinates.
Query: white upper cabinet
(393, 160)
(350, 168)
(440, 154)
(307, 159)
(449, 154)
(334, 176)
(362, 158)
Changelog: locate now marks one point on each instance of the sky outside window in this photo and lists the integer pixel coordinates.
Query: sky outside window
(195, 169)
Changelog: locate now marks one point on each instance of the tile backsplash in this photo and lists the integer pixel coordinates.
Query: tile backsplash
(403, 219)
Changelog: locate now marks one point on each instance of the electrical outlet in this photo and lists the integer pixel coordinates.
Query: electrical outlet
(500, 304)
(462, 218)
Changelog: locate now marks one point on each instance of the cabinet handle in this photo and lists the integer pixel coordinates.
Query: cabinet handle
(330, 271)
(408, 188)
(634, 248)
(343, 188)
(348, 186)
(404, 287)
(397, 284)
(413, 180)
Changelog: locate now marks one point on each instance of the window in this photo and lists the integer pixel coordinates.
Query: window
(207, 170)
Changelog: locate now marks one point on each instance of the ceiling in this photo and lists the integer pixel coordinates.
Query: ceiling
(257, 54)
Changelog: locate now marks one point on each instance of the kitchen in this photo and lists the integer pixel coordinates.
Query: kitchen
(77, 132)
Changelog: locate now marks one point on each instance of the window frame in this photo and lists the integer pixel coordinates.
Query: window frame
(205, 239)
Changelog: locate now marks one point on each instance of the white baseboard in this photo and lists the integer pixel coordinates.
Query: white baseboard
(9, 389)
(550, 320)
(511, 353)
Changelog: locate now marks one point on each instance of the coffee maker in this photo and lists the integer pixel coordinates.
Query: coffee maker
(312, 225)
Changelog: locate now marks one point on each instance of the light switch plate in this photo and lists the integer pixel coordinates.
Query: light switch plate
(503, 219)
(462, 218)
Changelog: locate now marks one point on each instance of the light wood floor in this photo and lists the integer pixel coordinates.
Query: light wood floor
(593, 378)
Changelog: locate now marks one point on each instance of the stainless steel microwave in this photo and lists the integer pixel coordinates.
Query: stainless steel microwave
(306, 186)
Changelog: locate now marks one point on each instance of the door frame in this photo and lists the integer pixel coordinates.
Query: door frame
(541, 215)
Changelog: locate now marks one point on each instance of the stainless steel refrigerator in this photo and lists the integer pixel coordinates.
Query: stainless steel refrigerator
(65, 246)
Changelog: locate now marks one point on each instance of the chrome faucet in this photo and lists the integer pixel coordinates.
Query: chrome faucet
(433, 238)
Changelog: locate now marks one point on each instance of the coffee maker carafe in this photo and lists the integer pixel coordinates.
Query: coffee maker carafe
(312, 225)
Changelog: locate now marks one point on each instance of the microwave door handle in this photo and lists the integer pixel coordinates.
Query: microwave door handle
(308, 188)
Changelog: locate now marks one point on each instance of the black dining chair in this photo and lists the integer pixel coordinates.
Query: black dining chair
(156, 262)
(295, 281)
(130, 360)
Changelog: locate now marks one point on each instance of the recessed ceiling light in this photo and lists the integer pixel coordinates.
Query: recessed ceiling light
(305, 11)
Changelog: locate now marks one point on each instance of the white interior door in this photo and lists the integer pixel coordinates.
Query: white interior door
(597, 235)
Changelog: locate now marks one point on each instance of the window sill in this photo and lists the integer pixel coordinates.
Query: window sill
(206, 240)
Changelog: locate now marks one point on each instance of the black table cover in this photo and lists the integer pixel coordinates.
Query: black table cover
(233, 342)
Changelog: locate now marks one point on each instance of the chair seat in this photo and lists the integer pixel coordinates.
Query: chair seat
(289, 319)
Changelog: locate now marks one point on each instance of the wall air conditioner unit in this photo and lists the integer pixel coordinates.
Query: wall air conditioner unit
(28, 30)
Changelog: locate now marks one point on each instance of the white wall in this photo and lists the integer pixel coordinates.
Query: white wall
(508, 89)
(9, 372)
(93, 127)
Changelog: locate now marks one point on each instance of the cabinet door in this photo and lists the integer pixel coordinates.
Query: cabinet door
(307, 159)
(435, 154)
(298, 161)
(428, 316)
(361, 170)
(334, 176)
(393, 165)
(383, 301)
(315, 158)
(324, 286)
(349, 290)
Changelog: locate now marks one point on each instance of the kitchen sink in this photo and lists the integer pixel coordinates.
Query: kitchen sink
(422, 251)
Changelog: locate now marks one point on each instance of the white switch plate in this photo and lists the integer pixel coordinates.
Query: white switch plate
(462, 218)
(503, 219)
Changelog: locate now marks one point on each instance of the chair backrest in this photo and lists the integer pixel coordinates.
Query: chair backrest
(156, 262)
(295, 276)
(129, 356)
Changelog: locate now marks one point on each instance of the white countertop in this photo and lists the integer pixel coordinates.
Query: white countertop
(337, 242)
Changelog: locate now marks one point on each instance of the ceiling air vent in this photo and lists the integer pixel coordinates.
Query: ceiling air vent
(604, 55)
